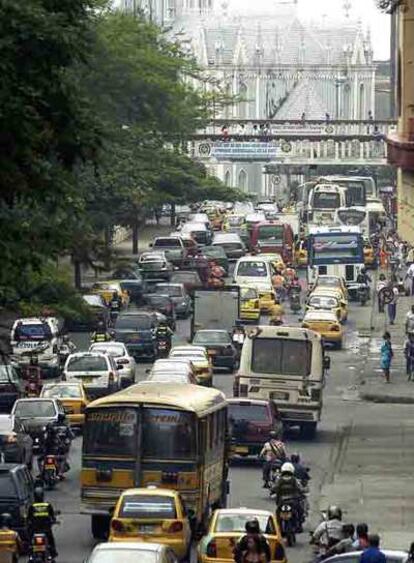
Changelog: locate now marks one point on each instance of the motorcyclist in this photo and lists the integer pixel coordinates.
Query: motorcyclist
(301, 472)
(288, 487)
(216, 274)
(115, 302)
(363, 277)
(33, 372)
(252, 528)
(64, 436)
(10, 542)
(41, 517)
(164, 332)
(276, 312)
(330, 531)
(273, 451)
(101, 334)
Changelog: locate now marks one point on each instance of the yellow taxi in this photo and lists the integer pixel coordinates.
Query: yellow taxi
(200, 359)
(249, 304)
(369, 254)
(325, 323)
(338, 295)
(301, 254)
(226, 528)
(331, 282)
(73, 397)
(152, 515)
(326, 302)
(107, 289)
(266, 297)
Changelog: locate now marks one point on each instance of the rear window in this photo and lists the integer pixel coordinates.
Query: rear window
(7, 488)
(87, 363)
(133, 323)
(231, 245)
(167, 242)
(150, 506)
(281, 357)
(62, 392)
(256, 413)
(39, 331)
(32, 409)
(252, 268)
(236, 522)
(172, 291)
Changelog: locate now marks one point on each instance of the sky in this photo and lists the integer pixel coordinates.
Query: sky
(333, 9)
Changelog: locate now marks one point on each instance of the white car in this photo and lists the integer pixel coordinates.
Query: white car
(97, 372)
(251, 270)
(125, 363)
(182, 365)
(131, 552)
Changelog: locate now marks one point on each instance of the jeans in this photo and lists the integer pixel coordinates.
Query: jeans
(392, 312)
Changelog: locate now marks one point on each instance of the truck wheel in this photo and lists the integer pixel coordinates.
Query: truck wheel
(100, 526)
(308, 430)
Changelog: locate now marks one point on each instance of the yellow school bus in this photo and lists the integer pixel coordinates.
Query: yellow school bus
(173, 437)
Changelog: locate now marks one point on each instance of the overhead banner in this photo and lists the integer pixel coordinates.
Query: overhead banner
(245, 151)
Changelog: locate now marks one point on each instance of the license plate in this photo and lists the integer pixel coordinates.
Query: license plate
(241, 450)
(278, 396)
(39, 549)
(147, 528)
(49, 466)
(87, 379)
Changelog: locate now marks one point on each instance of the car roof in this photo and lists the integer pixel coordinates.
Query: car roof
(31, 399)
(152, 491)
(87, 354)
(128, 546)
(212, 330)
(189, 349)
(243, 510)
(240, 400)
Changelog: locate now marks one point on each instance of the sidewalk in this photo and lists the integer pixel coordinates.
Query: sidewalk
(372, 385)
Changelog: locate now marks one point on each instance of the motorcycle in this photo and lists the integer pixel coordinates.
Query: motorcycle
(39, 551)
(64, 352)
(115, 308)
(33, 384)
(49, 474)
(164, 347)
(289, 522)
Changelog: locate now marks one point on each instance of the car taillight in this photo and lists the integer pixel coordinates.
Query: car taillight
(211, 550)
(117, 525)
(280, 554)
(175, 527)
(243, 390)
(50, 460)
(39, 539)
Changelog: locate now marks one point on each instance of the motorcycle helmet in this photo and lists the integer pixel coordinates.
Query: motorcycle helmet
(334, 513)
(39, 494)
(6, 520)
(288, 468)
(252, 526)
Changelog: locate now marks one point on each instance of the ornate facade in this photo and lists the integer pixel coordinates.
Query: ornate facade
(165, 12)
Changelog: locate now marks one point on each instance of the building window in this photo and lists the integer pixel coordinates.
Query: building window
(227, 178)
(243, 103)
(362, 102)
(242, 180)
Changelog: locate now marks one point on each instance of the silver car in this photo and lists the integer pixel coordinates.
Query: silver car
(131, 552)
(125, 363)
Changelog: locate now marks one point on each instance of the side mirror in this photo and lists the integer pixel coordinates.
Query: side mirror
(119, 366)
(327, 362)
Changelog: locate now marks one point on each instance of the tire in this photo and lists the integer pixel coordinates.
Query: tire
(100, 526)
(308, 430)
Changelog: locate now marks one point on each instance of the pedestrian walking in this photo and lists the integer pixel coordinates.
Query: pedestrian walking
(386, 355)
(381, 284)
(392, 306)
(409, 276)
(409, 356)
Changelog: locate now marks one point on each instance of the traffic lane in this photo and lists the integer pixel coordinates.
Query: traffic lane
(319, 454)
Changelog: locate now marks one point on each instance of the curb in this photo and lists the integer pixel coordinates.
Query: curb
(380, 398)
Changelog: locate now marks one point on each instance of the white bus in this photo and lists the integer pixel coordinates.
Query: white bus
(285, 365)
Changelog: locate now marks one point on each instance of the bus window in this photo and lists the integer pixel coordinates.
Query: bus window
(281, 357)
(345, 246)
(168, 434)
(111, 432)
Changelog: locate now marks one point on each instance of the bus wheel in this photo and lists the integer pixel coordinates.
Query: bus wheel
(100, 526)
(308, 430)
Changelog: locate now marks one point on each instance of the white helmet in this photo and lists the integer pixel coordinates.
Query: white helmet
(288, 468)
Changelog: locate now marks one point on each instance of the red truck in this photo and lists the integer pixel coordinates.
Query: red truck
(272, 236)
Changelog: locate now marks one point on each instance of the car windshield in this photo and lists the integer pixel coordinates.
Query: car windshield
(167, 242)
(110, 349)
(211, 337)
(35, 409)
(257, 413)
(280, 356)
(252, 268)
(148, 506)
(39, 331)
(235, 522)
(171, 290)
(159, 301)
(62, 392)
(125, 555)
(7, 373)
(138, 322)
(87, 363)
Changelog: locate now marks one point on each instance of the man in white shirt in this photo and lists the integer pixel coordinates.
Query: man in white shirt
(410, 276)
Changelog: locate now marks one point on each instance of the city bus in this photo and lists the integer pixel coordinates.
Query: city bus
(171, 436)
(285, 365)
(324, 200)
(336, 251)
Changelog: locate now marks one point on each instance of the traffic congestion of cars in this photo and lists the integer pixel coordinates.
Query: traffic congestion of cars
(156, 452)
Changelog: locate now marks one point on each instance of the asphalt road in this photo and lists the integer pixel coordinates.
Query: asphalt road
(323, 454)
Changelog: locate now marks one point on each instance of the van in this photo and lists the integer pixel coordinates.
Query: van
(271, 236)
(200, 233)
(250, 424)
(39, 335)
(231, 243)
(252, 270)
(285, 365)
